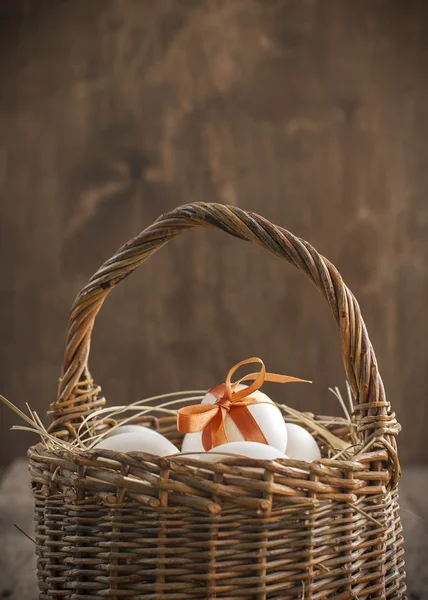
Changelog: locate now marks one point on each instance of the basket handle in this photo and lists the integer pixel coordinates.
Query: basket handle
(77, 394)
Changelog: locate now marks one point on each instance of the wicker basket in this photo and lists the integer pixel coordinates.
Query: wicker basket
(134, 526)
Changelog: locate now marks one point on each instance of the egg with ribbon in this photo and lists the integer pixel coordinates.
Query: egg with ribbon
(264, 415)
(234, 412)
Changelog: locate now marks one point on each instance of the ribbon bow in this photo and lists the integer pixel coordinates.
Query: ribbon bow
(210, 418)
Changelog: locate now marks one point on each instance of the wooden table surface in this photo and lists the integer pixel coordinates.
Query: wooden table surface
(17, 559)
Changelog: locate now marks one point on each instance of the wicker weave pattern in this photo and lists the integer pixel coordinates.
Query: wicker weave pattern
(154, 529)
(137, 526)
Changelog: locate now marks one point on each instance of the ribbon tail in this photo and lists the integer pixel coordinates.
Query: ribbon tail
(274, 377)
(247, 425)
(207, 441)
(215, 434)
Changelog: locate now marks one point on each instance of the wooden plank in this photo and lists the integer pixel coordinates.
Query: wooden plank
(314, 114)
(415, 483)
(17, 557)
(414, 517)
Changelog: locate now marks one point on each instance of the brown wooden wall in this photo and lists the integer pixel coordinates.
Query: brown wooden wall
(313, 113)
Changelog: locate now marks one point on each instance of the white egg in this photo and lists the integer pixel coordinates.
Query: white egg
(301, 445)
(145, 440)
(127, 429)
(249, 449)
(268, 417)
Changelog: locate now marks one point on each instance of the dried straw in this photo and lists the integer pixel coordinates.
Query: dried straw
(87, 438)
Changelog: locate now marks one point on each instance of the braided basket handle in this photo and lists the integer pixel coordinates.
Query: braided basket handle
(77, 395)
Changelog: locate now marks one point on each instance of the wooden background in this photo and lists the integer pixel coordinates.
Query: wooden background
(313, 113)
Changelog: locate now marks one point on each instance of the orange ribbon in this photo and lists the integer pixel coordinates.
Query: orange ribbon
(210, 418)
